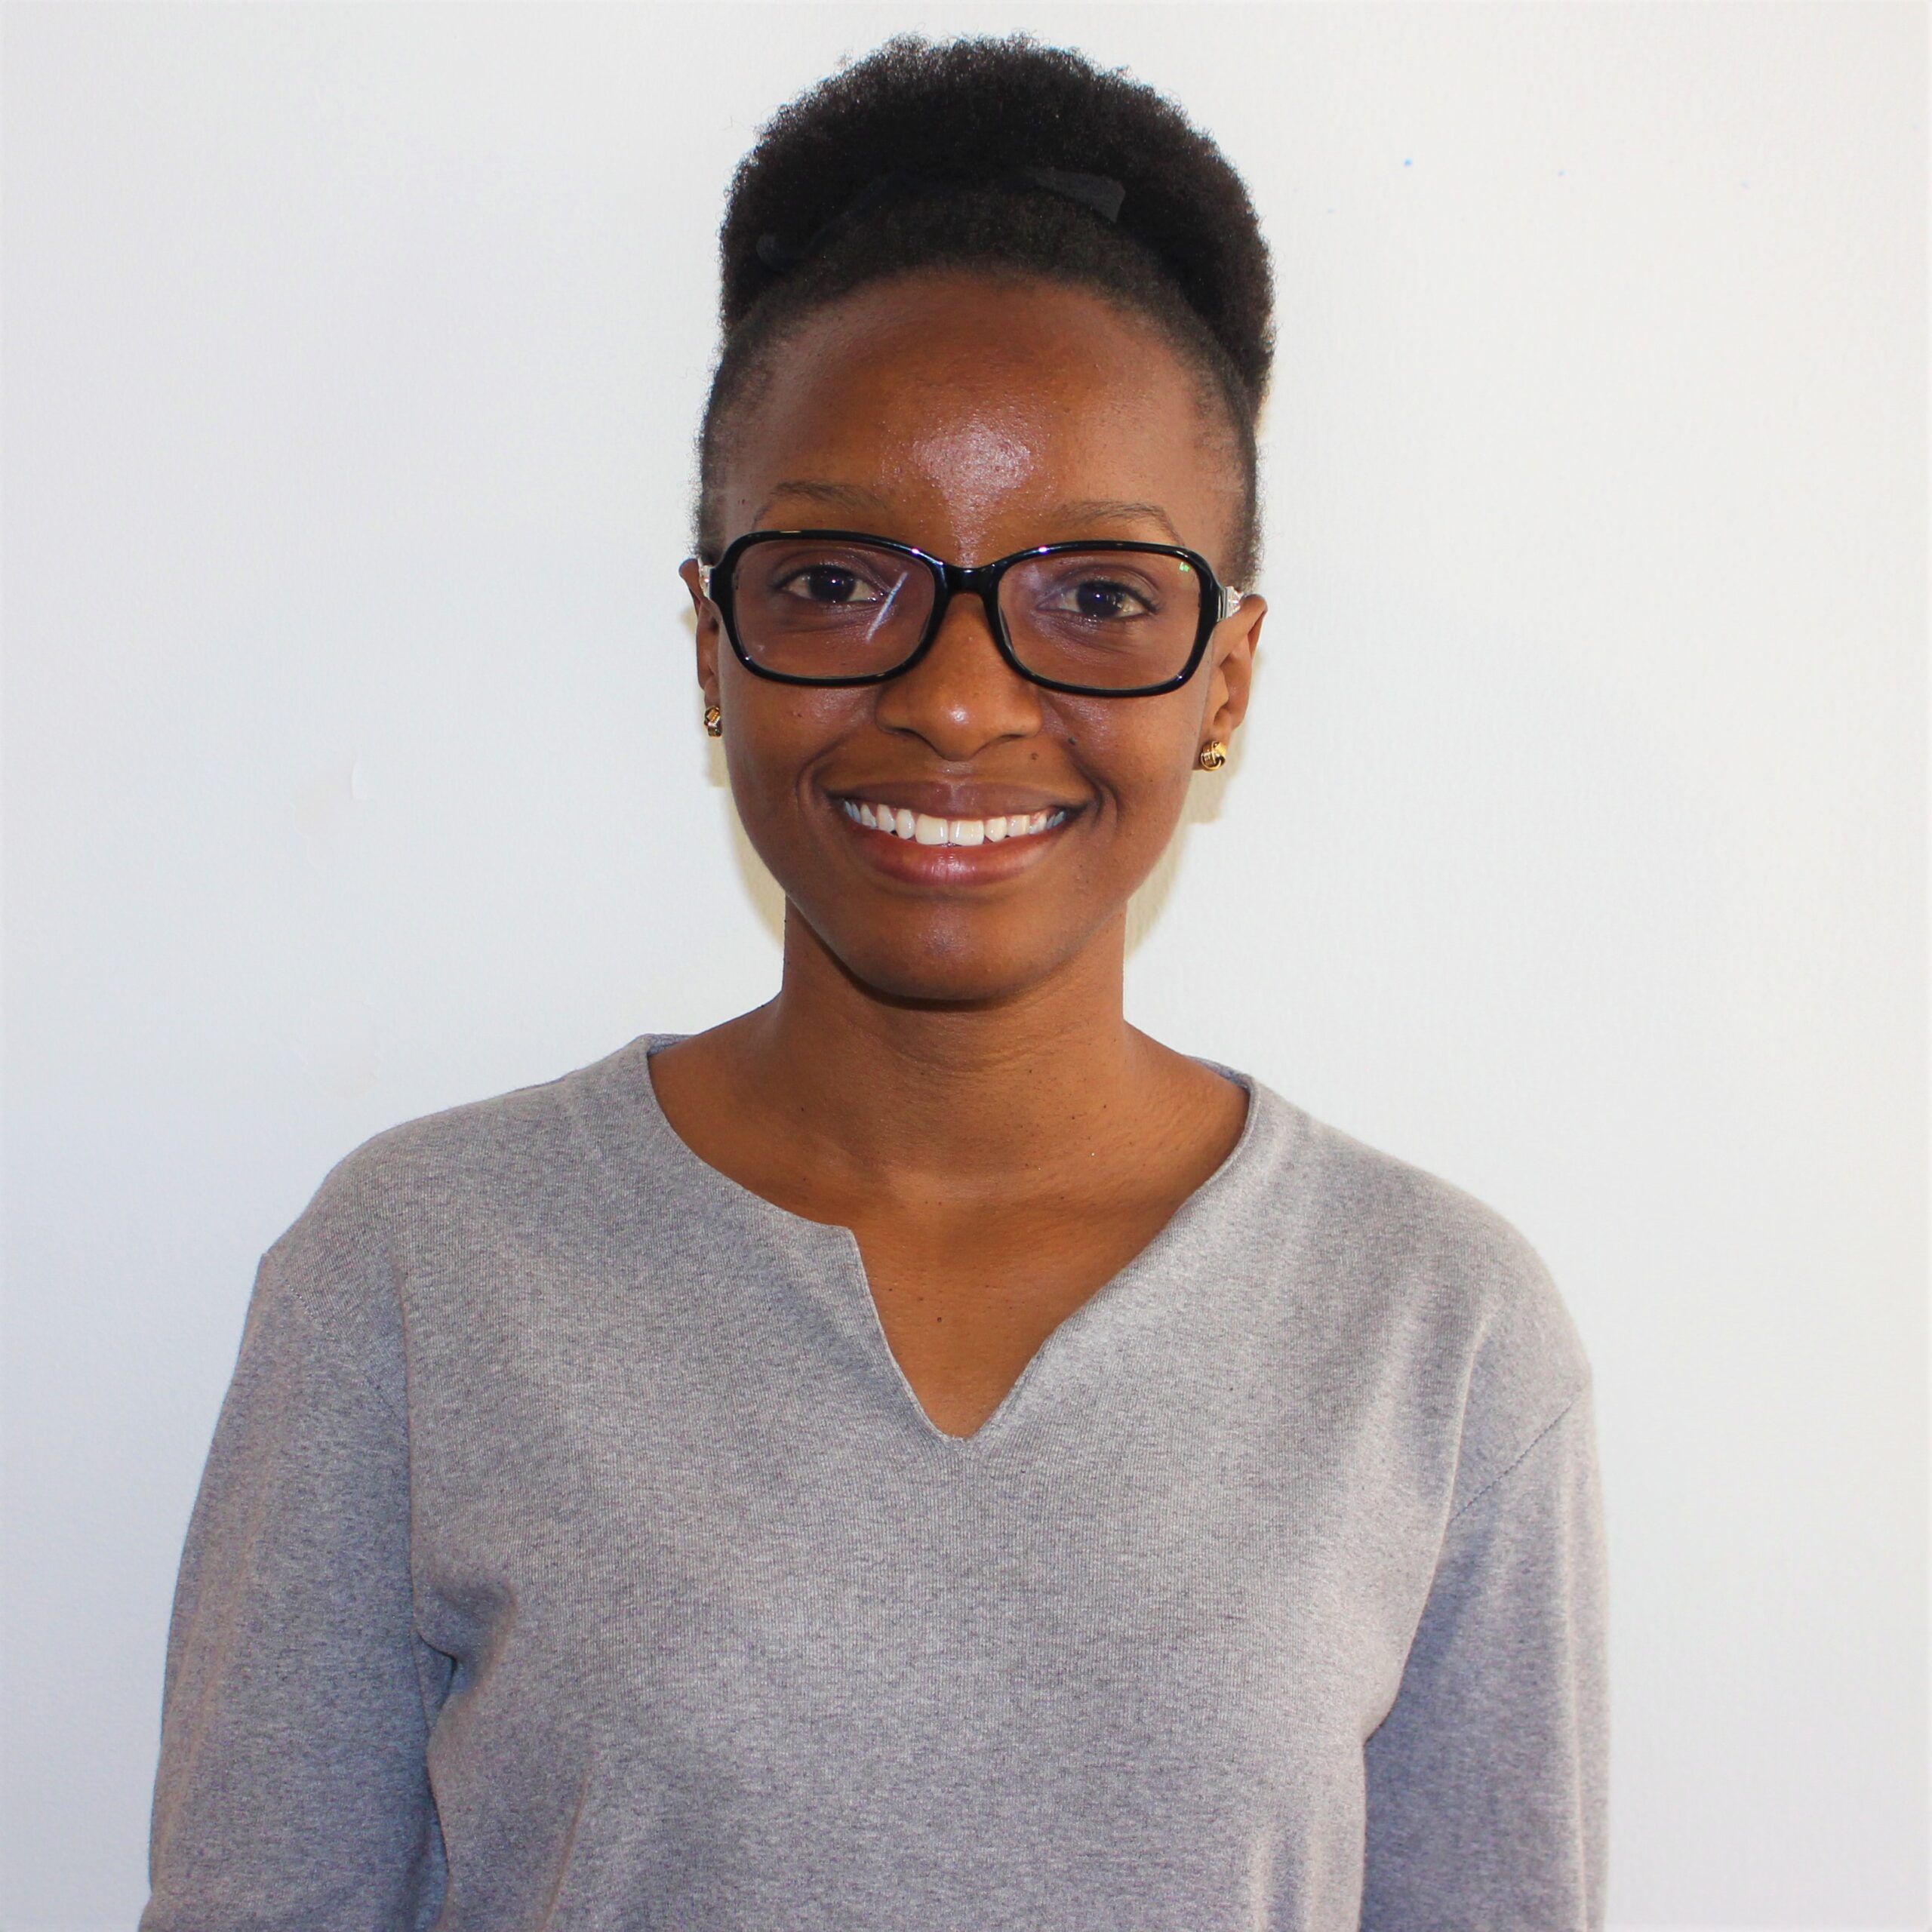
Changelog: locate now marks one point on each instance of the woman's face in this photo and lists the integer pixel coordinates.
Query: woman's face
(972, 417)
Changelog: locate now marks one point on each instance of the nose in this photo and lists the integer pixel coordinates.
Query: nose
(962, 695)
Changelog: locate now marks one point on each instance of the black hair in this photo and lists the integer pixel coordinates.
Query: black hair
(983, 154)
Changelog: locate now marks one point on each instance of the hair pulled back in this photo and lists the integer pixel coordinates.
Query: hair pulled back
(919, 156)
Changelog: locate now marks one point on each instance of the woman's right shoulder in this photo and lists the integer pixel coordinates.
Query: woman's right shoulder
(517, 1147)
(452, 1195)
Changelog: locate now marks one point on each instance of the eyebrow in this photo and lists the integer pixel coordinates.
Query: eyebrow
(1093, 509)
(1111, 509)
(841, 496)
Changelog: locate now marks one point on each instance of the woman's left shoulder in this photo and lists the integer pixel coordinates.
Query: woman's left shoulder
(1436, 1272)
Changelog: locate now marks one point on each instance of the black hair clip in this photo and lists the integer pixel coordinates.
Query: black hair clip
(1100, 194)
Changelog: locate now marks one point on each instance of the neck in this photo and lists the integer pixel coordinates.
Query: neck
(946, 1098)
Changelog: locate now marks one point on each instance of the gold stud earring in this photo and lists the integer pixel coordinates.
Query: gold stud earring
(714, 721)
(1214, 756)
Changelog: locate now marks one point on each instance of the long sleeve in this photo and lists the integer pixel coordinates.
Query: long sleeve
(292, 1791)
(1487, 1779)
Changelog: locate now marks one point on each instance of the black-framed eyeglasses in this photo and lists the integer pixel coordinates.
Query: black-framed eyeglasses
(1103, 618)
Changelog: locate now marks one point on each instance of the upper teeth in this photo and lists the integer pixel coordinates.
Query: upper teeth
(925, 830)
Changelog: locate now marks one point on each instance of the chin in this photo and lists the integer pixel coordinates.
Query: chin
(949, 967)
(926, 979)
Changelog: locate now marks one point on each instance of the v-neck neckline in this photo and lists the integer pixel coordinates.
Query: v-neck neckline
(1065, 1333)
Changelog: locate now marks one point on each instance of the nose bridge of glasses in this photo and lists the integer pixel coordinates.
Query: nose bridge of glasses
(971, 589)
(976, 586)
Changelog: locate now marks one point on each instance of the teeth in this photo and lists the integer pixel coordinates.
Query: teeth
(924, 829)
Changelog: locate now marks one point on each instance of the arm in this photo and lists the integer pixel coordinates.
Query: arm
(1487, 1779)
(292, 1792)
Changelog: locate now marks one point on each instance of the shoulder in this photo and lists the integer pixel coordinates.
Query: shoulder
(484, 1173)
(520, 1146)
(1422, 1271)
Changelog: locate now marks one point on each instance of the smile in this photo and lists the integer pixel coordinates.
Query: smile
(923, 829)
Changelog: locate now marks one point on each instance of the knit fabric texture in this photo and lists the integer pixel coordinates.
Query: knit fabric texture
(572, 1553)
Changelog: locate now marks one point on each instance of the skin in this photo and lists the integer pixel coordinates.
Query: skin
(946, 1069)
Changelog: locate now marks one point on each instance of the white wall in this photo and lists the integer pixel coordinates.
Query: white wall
(1573, 849)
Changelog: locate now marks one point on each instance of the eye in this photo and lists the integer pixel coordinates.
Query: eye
(828, 583)
(1099, 600)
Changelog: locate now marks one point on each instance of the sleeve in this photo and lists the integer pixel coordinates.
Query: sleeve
(292, 1790)
(1487, 1782)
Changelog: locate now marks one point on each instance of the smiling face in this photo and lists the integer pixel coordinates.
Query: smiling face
(971, 416)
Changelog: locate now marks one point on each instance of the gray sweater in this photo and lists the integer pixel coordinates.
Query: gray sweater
(573, 1554)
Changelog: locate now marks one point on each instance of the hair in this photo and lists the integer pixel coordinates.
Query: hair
(914, 158)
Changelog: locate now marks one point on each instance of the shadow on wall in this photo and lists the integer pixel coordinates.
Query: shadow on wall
(1203, 805)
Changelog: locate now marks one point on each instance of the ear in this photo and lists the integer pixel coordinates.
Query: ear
(709, 629)
(1231, 667)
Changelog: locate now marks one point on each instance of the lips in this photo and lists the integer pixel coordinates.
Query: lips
(933, 834)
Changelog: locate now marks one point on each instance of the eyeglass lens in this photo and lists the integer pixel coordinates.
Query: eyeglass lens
(1103, 619)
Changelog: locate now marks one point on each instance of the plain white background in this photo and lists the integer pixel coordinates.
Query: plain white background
(1573, 849)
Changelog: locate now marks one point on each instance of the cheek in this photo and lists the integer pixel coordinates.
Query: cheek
(775, 738)
(774, 735)
(1139, 752)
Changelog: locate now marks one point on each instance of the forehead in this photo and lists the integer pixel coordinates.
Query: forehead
(973, 407)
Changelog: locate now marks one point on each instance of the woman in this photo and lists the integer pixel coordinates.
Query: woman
(922, 1454)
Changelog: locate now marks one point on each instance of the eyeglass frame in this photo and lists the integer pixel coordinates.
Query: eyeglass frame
(1219, 601)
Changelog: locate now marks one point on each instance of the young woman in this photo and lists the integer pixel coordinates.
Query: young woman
(922, 1454)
